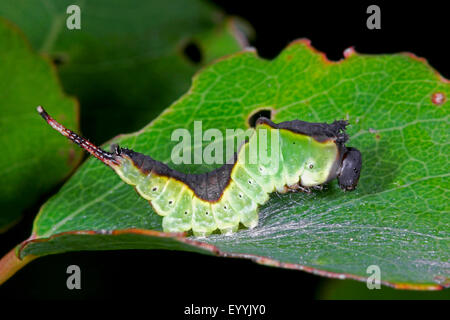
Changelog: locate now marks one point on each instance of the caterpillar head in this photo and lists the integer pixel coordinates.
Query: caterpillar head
(350, 169)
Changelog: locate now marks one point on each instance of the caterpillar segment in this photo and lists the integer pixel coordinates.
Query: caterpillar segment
(289, 156)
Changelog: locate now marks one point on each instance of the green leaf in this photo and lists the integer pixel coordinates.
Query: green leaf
(126, 63)
(397, 218)
(33, 161)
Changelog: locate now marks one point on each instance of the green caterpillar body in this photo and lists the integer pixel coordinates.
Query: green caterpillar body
(306, 155)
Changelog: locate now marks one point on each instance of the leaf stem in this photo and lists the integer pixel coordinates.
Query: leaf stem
(11, 263)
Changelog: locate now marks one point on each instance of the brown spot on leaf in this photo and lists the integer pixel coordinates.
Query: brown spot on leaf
(349, 52)
(438, 98)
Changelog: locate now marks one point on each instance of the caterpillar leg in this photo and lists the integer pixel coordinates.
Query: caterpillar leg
(247, 208)
(229, 230)
(251, 219)
(296, 188)
(227, 218)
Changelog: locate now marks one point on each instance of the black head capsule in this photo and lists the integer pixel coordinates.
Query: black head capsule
(350, 170)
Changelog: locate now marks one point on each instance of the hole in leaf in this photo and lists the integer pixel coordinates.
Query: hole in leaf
(59, 59)
(261, 113)
(193, 52)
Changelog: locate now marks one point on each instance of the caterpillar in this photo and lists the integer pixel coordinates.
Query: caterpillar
(309, 155)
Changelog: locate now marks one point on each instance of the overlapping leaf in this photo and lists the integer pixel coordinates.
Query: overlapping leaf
(33, 160)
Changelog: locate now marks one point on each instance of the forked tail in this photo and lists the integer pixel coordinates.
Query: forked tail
(104, 156)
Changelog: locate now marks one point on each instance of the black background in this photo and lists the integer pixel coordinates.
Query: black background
(332, 27)
(184, 278)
